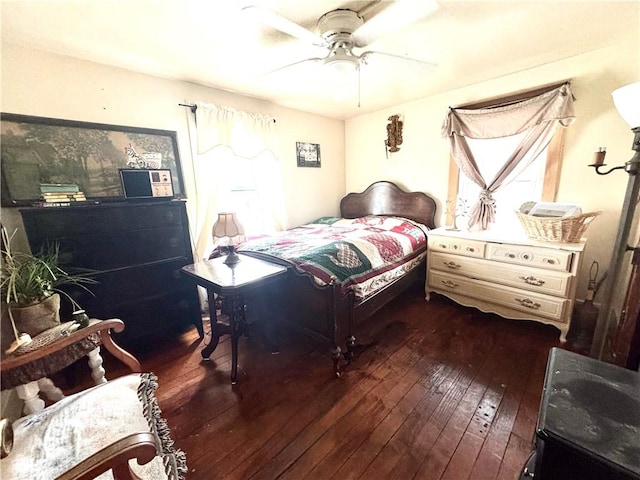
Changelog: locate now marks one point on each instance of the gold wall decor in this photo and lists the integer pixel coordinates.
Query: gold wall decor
(394, 133)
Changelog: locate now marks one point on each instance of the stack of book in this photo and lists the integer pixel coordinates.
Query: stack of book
(60, 194)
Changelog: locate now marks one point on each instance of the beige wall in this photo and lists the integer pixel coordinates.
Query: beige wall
(47, 85)
(422, 162)
(353, 154)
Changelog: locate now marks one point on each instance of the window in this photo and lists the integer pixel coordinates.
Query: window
(235, 169)
(243, 197)
(539, 182)
(536, 115)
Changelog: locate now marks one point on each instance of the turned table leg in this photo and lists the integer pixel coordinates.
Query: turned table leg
(28, 393)
(236, 323)
(95, 362)
(214, 325)
(52, 392)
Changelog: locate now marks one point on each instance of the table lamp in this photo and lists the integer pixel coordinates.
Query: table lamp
(228, 227)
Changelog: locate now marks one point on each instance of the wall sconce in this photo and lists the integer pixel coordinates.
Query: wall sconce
(228, 227)
(394, 134)
(627, 102)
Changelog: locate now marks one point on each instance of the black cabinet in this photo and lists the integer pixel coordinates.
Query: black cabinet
(589, 421)
(135, 251)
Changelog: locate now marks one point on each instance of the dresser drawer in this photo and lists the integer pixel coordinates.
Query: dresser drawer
(459, 246)
(89, 220)
(547, 258)
(120, 249)
(527, 278)
(538, 305)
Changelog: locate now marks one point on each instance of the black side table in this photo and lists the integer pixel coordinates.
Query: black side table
(231, 283)
(589, 421)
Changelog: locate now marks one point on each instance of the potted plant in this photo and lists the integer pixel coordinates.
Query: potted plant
(29, 287)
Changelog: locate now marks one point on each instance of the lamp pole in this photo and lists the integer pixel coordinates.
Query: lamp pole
(632, 167)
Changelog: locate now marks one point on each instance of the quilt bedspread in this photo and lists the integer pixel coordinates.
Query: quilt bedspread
(362, 254)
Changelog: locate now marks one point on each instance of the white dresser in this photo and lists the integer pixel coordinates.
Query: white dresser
(506, 273)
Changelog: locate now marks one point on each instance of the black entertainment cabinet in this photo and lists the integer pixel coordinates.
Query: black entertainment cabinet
(589, 421)
(135, 250)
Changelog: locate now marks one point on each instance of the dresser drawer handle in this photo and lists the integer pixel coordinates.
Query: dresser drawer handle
(471, 249)
(550, 261)
(451, 264)
(527, 302)
(511, 255)
(442, 245)
(531, 280)
(449, 283)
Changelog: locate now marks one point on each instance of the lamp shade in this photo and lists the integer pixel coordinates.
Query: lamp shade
(227, 225)
(627, 101)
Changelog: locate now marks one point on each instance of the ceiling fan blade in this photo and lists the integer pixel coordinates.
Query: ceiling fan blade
(396, 16)
(424, 63)
(284, 25)
(300, 62)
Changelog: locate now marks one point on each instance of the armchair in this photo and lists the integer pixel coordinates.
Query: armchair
(97, 433)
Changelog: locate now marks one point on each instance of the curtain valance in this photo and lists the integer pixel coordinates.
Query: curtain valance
(246, 134)
(502, 121)
(536, 117)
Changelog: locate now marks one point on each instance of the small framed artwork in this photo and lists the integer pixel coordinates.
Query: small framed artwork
(308, 154)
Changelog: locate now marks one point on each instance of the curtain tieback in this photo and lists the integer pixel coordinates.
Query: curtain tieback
(486, 198)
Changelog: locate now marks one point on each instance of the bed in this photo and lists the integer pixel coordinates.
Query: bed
(349, 267)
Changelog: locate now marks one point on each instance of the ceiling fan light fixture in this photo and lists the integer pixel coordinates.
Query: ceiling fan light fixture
(342, 69)
(342, 65)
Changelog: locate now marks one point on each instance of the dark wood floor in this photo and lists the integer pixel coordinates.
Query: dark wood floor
(440, 392)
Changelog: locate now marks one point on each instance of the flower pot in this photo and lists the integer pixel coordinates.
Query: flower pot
(37, 318)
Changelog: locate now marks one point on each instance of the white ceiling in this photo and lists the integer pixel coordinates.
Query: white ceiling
(211, 42)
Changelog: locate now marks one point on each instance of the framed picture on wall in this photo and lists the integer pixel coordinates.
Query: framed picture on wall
(47, 151)
(308, 154)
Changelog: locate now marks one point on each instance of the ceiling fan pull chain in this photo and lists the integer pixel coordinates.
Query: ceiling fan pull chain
(358, 86)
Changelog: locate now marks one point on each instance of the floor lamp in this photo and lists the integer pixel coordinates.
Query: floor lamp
(627, 101)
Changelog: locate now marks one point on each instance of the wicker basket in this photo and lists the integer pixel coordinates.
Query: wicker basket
(556, 229)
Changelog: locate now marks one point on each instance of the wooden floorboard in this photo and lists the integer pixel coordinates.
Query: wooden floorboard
(441, 391)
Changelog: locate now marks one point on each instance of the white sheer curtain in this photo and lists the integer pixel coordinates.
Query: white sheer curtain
(535, 118)
(221, 137)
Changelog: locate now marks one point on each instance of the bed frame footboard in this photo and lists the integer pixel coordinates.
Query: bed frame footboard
(323, 312)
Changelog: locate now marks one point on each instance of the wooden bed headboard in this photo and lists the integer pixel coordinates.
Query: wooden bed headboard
(386, 198)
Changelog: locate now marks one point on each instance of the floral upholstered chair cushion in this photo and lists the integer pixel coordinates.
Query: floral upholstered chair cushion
(50, 442)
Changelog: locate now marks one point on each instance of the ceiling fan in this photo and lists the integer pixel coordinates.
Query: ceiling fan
(342, 31)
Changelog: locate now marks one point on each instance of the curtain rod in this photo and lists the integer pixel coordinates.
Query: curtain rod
(193, 108)
(504, 100)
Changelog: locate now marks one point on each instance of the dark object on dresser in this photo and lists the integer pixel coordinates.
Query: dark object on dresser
(136, 250)
(589, 421)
